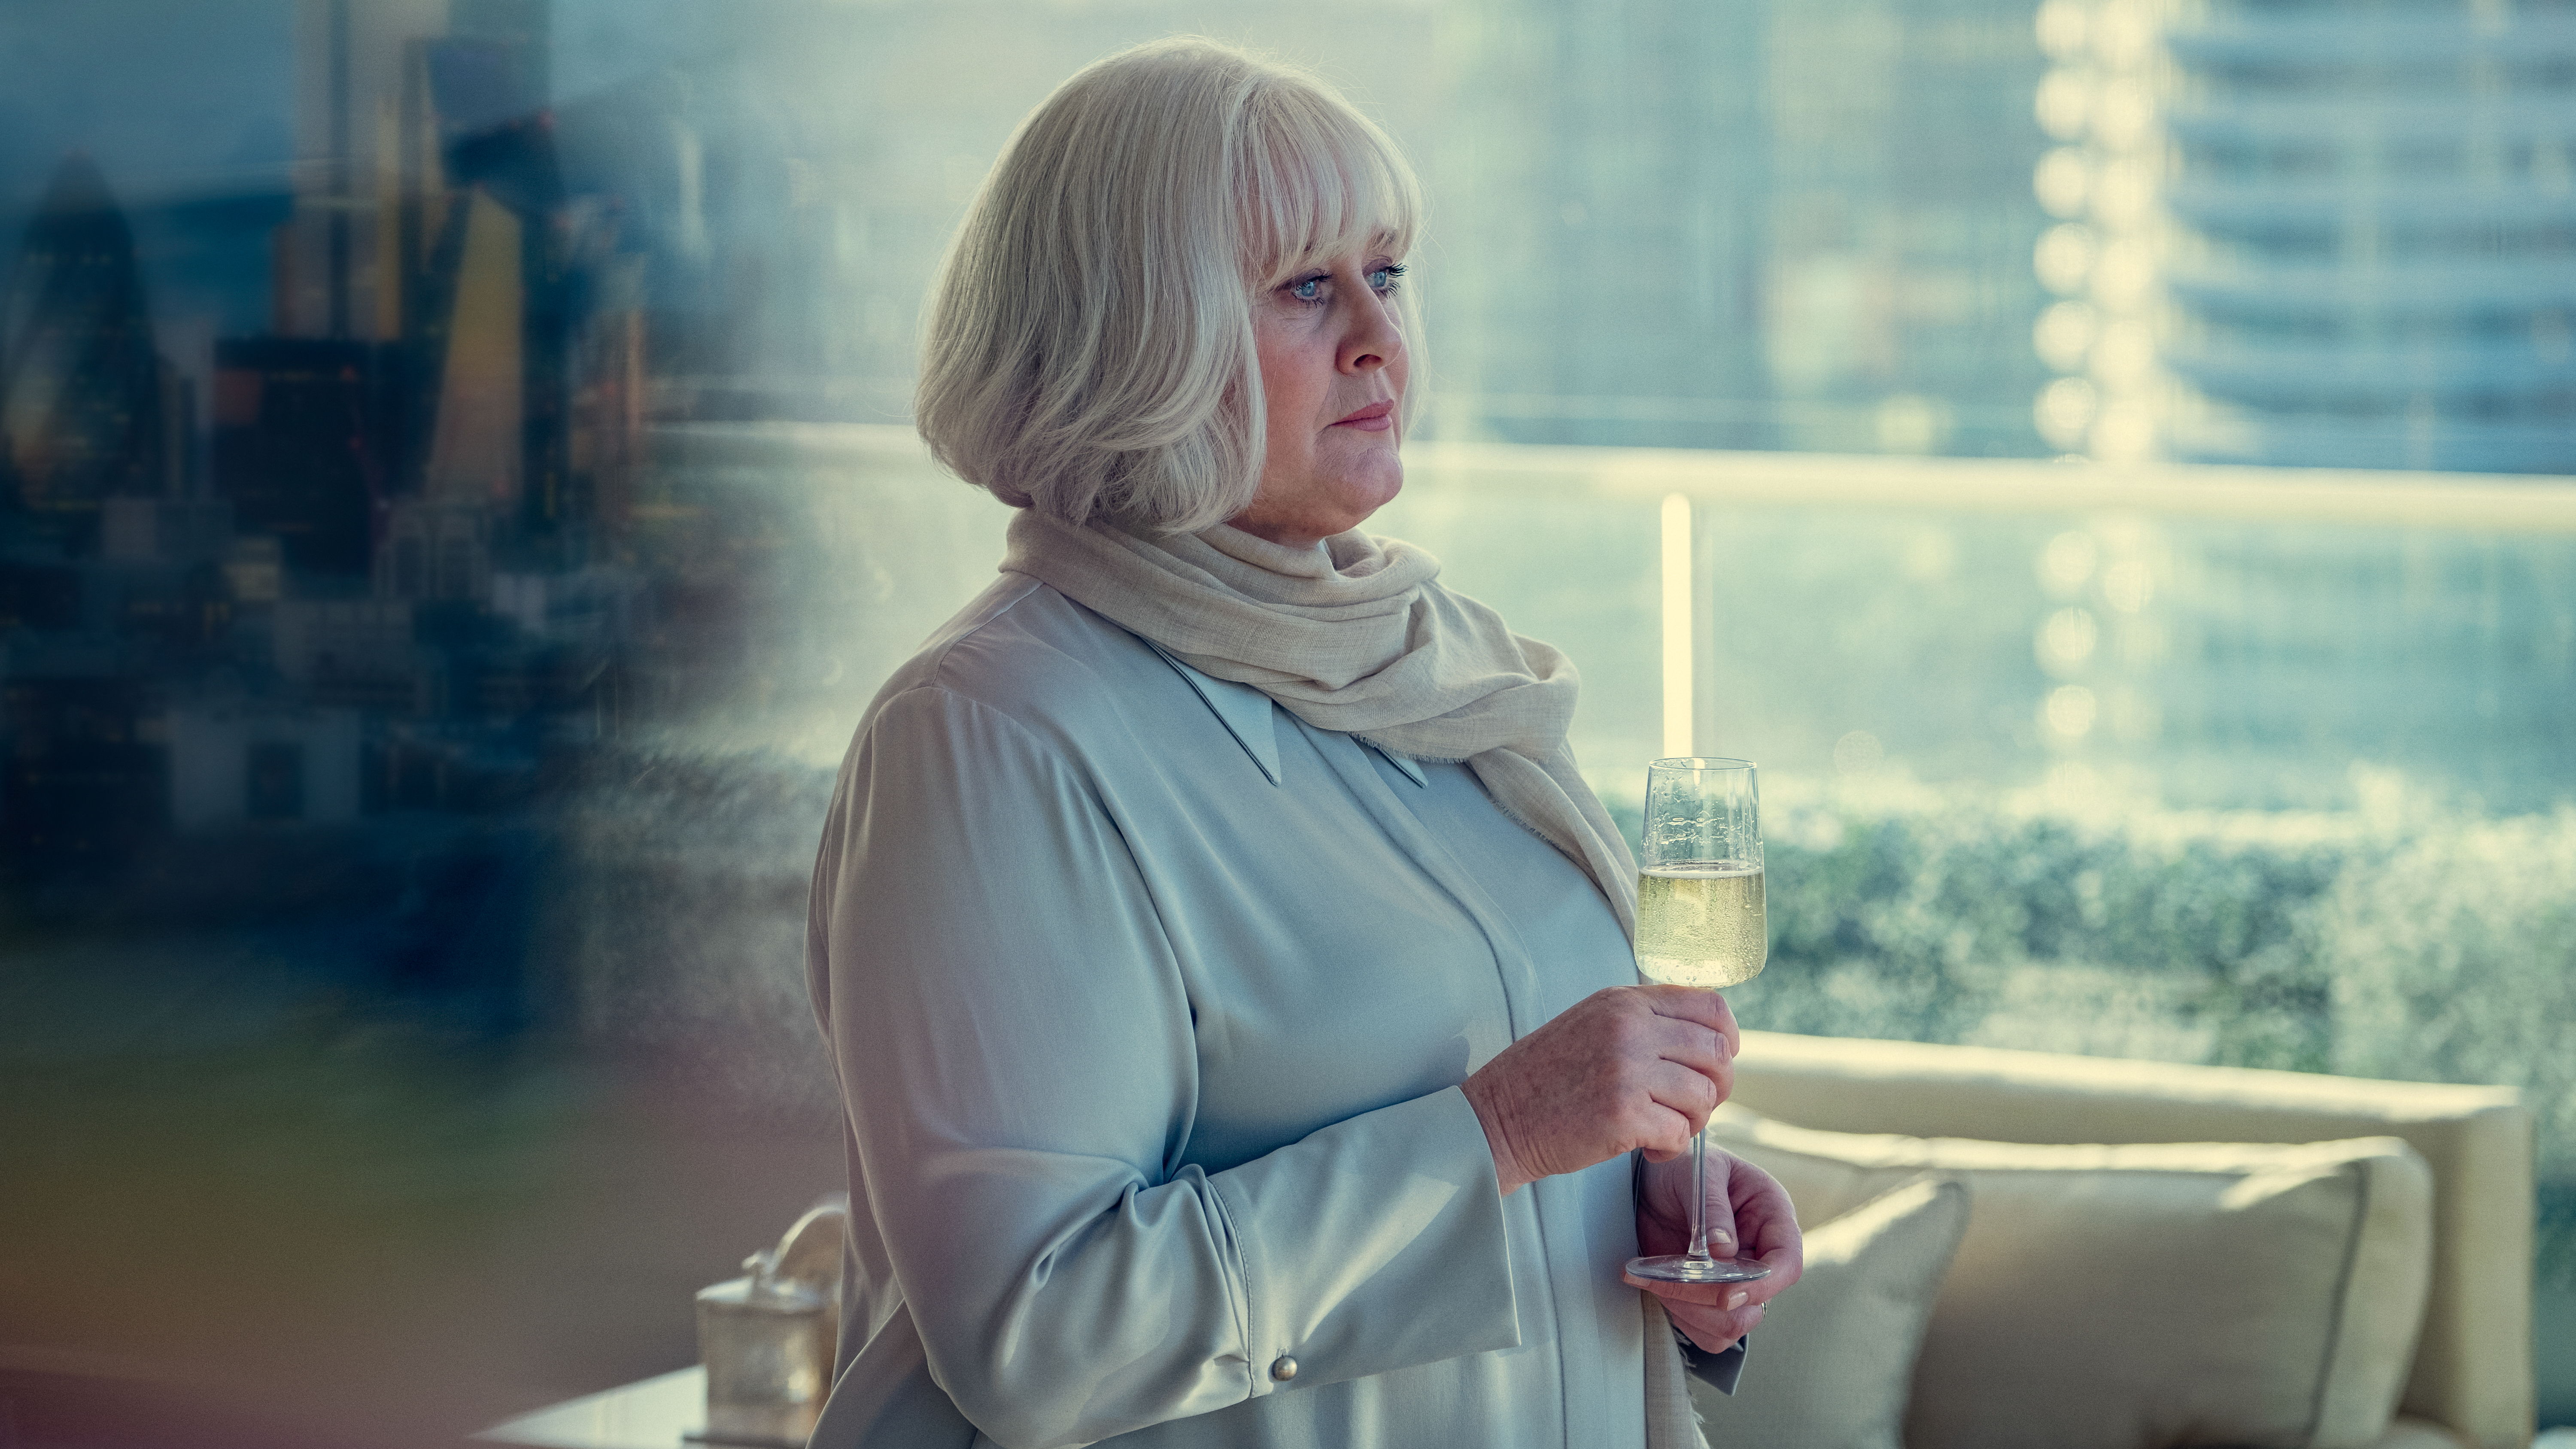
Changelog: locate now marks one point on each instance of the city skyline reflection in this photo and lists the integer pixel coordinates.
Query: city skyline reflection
(456, 496)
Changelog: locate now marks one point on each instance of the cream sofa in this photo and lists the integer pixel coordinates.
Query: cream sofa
(2470, 1384)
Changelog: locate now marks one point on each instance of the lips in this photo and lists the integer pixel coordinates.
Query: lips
(1376, 417)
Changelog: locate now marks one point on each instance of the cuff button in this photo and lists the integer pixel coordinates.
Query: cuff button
(1283, 1368)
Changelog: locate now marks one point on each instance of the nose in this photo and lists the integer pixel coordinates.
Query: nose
(1374, 337)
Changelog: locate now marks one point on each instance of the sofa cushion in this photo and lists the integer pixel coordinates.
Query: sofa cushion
(1838, 1348)
(2409, 1433)
(2132, 1297)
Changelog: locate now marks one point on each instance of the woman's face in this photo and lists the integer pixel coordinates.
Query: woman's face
(1332, 370)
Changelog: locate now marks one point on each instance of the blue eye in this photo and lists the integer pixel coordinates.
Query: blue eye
(1386, 280)
(1311, 289)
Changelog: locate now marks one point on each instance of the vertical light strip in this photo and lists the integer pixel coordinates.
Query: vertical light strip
(1677, 625)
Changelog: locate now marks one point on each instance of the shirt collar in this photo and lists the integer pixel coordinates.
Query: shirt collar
(1405, 765)
(1242, 709)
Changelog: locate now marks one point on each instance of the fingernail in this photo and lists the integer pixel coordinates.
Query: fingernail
(1720, 1235)
(1736, 1300)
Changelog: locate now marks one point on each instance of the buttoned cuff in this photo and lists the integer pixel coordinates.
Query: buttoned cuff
(1342, 1236)
(1717, 1370)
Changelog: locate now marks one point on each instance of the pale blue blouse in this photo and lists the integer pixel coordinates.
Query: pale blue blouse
(1150, 1003)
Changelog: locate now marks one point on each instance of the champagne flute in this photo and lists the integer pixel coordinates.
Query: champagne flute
(1700, 923)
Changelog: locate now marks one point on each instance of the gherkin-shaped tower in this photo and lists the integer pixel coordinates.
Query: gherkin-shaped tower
(81, 414)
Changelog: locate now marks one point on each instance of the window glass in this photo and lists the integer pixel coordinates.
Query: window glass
(457, 496)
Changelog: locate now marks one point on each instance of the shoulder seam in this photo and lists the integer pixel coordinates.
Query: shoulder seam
(940, 660)
(1018, 726)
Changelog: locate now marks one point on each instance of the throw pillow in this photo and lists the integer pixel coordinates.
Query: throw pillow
(2166, 1294)
(1837, 1350)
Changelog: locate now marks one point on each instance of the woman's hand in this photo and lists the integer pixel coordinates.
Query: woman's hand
(1628, 1068)
(1744, 1206)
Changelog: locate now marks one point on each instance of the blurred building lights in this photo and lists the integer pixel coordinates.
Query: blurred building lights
(2068, 712)
(2066, 563)
(2106, 177)
(2312, 235)
(2064, 334)
(2062, 105)
(1804, 224)
(2064, 181)
(2064, 27)
(2125, 432)
(2064, 413)
(2064, 257)
(2066, 641)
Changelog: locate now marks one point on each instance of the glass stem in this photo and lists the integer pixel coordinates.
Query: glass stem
(1699, 1198)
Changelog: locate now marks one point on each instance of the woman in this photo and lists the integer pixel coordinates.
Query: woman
(1226, 971)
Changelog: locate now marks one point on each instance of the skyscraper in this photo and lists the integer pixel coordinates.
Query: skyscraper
(383, 88)
(417, 334)
(84, 397)
(1596, 269)
(299, 444)
(2302, 233)
(1746, 225)
(361, 154)
(1898, 297)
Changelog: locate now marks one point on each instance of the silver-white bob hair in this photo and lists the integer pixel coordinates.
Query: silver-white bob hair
(1088, 350)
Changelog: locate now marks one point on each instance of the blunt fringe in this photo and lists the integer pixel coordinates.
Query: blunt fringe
(1088, 349)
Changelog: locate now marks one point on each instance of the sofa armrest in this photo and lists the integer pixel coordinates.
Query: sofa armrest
(2472, 1369)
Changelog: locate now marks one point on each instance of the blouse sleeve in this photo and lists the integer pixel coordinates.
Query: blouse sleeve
(1015, 1048)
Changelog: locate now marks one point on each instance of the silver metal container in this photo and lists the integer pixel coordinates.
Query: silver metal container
(768, 1338)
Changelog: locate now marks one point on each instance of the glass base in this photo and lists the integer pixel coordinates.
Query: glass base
(1682, 1268)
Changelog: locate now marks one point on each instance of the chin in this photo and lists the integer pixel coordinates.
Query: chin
(1361, 510)
(1374, 487)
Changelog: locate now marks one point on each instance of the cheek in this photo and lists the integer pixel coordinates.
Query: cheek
(1284, 383)
(1294, 379)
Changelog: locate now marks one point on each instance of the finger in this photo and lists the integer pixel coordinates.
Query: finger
(1723, 1310)
(1727, 1329)
(1774, 1240)
(1721, 1228)
(1728, 1028)
(1706, 1008)
(1654, 1121)
(1760, 1204)
(1707, 1300)
(1725, 1231)
(1785, 1263)
(1688, 1094)
(1763, 1290)
(1714, 1329)
(1710, 1332)
(1720, 1183)
(1695, 1043)
(1690, 1003)
(1664, 1208)
(1785, 1260)
(1702, 1053)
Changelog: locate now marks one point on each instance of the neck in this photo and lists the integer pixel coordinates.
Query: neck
(1280, 534)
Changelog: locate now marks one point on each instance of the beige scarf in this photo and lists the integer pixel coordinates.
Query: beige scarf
(1354, 636)
(1357, 636)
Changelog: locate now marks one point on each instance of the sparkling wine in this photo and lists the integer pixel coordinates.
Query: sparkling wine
(1700, 923)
